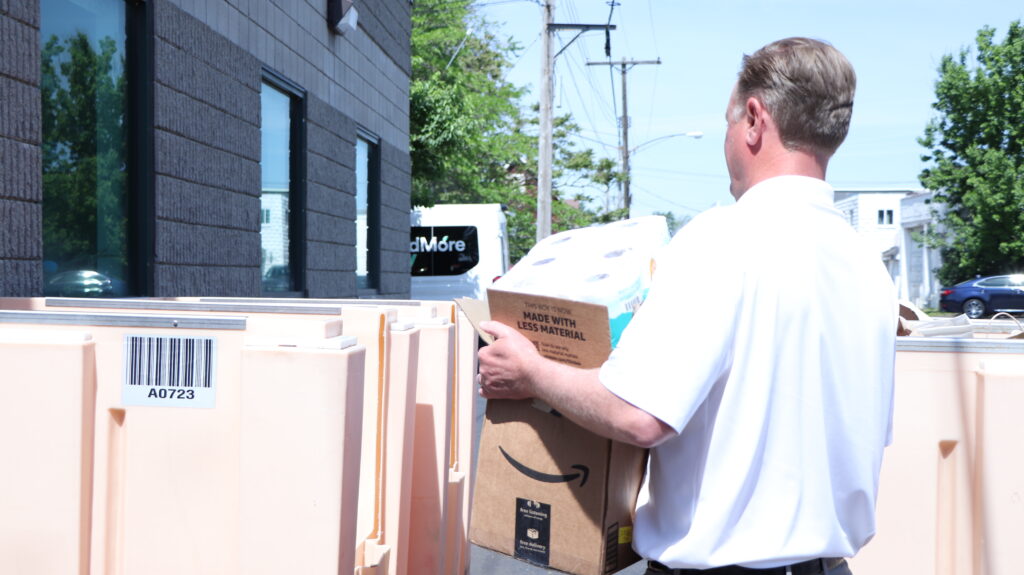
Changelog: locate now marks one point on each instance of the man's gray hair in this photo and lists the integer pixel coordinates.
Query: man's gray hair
(807, 87)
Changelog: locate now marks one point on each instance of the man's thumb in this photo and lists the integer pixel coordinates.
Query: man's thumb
(495, 328)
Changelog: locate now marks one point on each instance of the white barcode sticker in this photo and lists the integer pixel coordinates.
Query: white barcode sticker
(169, 371)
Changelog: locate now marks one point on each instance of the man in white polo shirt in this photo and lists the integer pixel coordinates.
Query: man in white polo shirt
(760, 368)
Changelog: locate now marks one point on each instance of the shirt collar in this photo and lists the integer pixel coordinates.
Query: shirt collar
(789, 188)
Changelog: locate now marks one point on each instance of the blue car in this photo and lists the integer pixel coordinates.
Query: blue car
(985, 296)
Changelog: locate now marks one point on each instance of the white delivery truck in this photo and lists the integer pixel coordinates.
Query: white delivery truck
(457, 250)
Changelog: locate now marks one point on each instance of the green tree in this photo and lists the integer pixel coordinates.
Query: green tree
(83, 87)
(462, 112)
(976, 157)
(473, 141)
(673, 222)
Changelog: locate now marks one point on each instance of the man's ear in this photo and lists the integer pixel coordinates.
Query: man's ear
(754, 116)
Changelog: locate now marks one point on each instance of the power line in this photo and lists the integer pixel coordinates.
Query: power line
(624, 67)
(670, 202)
(681, 173)
(583, 102)
(611, 71)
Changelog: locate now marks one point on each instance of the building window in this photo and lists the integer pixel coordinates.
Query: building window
(885, 217)
(282, 192)
(367, 212)
(88, 234)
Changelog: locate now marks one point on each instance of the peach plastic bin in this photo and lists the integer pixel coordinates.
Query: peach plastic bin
(950, 498)
(441, 513)
(386, 550)
(175, 470)
(428, 527)
(300, 445)
(48, 382)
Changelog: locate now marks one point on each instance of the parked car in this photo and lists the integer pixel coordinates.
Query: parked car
(278, 278)
(80, 283)
(985, 296)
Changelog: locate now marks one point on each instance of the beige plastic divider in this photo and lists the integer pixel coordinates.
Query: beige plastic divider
(1001, 468)
(370, 326)
(303, 324)
(301, 442)
(461, 421)
(950, 498)
(460, 431)
(441, 512)
(48, 382)
(383, 521)
(466, 369)
(428, 522)
(173, 489)
(443, 517)
(299, 321)
(373, 326)
(160, 471)
(387, 551)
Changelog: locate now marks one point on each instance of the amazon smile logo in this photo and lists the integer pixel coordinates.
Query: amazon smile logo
(584, 472)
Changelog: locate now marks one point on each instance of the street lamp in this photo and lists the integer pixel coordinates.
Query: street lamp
(696, 135)
(627, 197)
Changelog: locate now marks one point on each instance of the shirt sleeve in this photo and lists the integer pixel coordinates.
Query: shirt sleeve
(679, 344)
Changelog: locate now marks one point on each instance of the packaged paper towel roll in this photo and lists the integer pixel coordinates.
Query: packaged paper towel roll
(608, 265)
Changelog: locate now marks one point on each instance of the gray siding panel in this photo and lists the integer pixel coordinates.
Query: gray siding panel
(180, 243)
(21, 165)
(207, 151)
(20, 278)
(21, 118)
(21, 186)
(396, 186)
(19, 38)
(184, 72)
(388, 22)
(324, 284)
(192, 203)
(20, 230)
(25, 11)
(196, 120)
(195, 162)
(193, 281)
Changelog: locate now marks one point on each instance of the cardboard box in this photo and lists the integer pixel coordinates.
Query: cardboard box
(548, 491)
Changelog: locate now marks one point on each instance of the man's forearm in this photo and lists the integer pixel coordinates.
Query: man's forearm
(580, 396)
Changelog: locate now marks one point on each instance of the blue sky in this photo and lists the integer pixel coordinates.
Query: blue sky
(895, 47)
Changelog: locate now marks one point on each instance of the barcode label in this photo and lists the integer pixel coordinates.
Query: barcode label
(169, 371)
(634, 303)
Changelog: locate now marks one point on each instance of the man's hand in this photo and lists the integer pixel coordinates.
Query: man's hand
(508, 365)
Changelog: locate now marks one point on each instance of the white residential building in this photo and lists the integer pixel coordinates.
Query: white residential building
(892, 220)
(916, 279)
(873, 213)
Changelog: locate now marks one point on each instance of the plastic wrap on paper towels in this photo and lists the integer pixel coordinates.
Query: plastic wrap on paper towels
(609, 265)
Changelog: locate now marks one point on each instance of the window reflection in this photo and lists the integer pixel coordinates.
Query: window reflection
(83, 87)
(275, 206)
(366, 205)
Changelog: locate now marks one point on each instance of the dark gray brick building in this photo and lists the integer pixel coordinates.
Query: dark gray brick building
(204, 147)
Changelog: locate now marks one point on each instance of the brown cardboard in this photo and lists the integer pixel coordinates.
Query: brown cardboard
(548, 491)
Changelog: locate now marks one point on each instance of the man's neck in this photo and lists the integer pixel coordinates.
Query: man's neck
(786, 163)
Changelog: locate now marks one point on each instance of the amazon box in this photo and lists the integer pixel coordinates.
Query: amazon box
(548, 491)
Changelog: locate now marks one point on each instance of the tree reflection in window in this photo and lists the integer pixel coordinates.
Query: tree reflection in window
(83, 84)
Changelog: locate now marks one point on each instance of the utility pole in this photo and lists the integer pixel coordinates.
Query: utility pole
(625, 66)
(545, 151)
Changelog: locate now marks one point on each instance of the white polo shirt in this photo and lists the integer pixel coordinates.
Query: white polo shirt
(767, 342)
